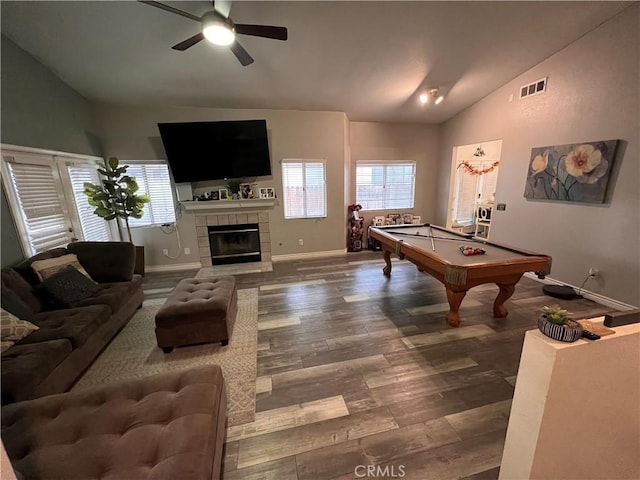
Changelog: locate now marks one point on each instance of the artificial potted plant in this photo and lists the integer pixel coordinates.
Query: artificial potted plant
(234, 188)
(116, 198)
(556, 323)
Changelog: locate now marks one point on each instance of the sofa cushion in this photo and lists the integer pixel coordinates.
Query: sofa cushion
(74, 324)
(12, 329)
(24, 367)
(163, 426)
(12, 281)
(11, 302)
(24, 267)
(48, 267)
(113, 295)
(69, 287)
(106, 261)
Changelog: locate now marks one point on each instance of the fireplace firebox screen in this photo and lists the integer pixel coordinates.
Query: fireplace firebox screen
(234, 243)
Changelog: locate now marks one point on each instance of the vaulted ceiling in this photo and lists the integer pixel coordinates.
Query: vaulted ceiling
(368, 59)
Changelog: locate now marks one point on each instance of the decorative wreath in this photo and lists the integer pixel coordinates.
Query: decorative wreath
(476, 171)
(355, 207)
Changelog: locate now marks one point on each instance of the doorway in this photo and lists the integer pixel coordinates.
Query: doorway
(474, 177)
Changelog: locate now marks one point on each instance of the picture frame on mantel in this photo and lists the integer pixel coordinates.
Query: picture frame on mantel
(223, 194)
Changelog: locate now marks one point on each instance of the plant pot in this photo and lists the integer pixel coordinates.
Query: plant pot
(569, 332)
(139, 265)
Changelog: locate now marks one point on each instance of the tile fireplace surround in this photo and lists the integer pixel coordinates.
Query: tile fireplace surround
(203, 221)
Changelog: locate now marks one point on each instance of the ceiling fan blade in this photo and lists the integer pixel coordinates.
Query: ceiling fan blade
(167, 8)
(266, 31)
(223, 7)
(241, 54)
(189, 42)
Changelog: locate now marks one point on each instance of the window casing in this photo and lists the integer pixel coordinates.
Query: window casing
(304, 188)
(385, 185)
(49, 210)
(46, 196)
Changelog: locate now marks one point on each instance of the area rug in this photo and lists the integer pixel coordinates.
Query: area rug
(134, 354)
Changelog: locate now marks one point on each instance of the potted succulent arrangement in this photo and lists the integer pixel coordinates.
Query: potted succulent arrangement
(555, 322)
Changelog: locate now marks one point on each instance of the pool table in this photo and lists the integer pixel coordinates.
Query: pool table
(436, 251)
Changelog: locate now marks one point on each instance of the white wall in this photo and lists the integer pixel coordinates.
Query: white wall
(398, 141)
(38, 110)
(592, 95)
(573, 400)
(132, 133)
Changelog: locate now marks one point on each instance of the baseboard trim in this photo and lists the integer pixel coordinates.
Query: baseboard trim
(596, 297)
(303, 256)
(171, 268)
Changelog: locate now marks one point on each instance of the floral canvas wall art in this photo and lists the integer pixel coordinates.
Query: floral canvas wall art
(572, 173)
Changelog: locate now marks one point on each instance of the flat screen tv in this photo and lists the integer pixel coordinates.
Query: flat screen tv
(200, 151)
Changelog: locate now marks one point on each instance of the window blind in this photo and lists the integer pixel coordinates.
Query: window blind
(304, 187)
(36, 188)
(385, 186)
(94, 228)
(153, 180)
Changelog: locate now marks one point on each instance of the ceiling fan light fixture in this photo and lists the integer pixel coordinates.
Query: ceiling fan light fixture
(217, 30)
(424, 98)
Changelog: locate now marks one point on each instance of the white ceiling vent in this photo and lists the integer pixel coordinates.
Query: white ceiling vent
(535, 88)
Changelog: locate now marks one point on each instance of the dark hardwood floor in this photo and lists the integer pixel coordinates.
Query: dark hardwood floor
(358, 371)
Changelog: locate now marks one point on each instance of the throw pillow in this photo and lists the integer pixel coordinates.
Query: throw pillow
(69, 287)
(11, 303)
(12, 329)
(4, 345)
(50, 266)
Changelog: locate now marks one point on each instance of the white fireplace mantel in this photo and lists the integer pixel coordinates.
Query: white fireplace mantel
(228, 205)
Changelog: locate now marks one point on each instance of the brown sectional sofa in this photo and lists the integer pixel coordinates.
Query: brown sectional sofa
(51, 359)
(167, 426)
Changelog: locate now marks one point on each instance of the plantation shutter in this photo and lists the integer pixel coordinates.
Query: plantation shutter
(36, 187)
(153, 180)
(304, 188)
(384, 186)
(94, 228)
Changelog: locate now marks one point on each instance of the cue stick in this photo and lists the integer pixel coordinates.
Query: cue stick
(433, 245)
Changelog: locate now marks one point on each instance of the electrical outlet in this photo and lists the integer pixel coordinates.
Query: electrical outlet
(187, 251)
(300, 242)
(165, 251)
(593, 272)
(501, 206)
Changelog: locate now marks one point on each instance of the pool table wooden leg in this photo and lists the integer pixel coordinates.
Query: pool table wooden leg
(455, 299)
(506, 290)
(387, 258)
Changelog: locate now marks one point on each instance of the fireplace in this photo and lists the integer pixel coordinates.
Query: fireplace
(234, 243)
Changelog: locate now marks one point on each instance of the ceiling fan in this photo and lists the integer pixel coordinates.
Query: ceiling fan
(218, 28)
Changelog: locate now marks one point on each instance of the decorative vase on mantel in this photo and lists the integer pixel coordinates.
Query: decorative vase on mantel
(555, 323)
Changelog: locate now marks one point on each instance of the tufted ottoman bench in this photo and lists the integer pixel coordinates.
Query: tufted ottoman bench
(168, 426)
(199, 310)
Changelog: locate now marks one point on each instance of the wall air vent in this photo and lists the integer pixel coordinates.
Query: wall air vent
(535, 88)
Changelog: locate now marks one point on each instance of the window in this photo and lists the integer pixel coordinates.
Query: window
(385, 186)
(153, 180)
(94, 228)
(304, 187)
(46, 200)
